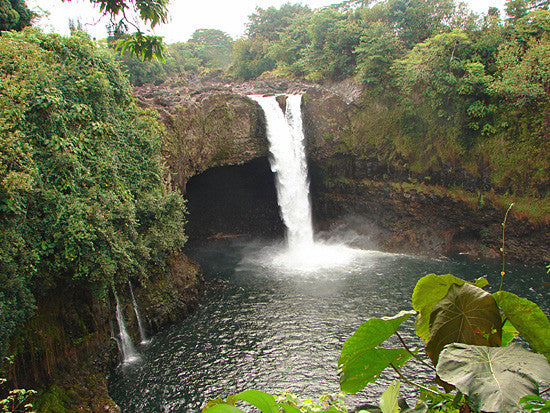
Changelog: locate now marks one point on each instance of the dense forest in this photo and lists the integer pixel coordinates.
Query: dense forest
(442, 84)
(83, 197)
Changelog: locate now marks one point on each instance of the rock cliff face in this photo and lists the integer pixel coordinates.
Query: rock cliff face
(437, 212)
(212, 124)
(67, 349)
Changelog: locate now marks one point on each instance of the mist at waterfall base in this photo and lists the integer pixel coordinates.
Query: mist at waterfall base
(300, 253)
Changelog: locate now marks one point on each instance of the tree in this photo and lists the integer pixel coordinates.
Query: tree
(213, 48)
(523, 60)
(250, 59)
(268, 24)
(334, 37)
(82, 197)
(416, 20)
(14, 15)
(378, 49)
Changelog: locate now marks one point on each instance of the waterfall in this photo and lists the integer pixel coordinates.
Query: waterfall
(286, 144)
(129, 353)
(288, 162)
(142, 335)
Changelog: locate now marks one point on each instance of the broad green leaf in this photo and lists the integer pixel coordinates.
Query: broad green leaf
(429, 290)
(388, 401)
(494, 378)
(468, 315)
(509, 332)
(534, 403)
(287, 408)
(370, 334)
(222, 408)
(481, 282)
(528, 318)
(263, 401)
(366, 366)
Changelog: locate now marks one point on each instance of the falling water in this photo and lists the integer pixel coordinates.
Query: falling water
(129, 353)
(288, 162)
(285, 135)
(142, 335)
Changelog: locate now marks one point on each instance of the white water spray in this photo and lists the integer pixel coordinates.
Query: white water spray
(142, 334)
(288, 161)
(129, 354)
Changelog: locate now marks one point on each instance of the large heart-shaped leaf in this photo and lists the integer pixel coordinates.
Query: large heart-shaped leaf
(468, 315)
(367, 366)
(361, 362)
(494, 378)
(370, 334)
(429, 290)
(528, 318)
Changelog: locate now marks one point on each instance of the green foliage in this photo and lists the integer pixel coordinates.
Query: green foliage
(528, 319)
(14, 15)
(388, 400)
(533, 403)
(467, 314)
(376, 52)
(144, 47)
(285, 402)
(429, 291)
(250, 59)
(362, 360)
(493, 378)
(151, 12)
(16, 400)
(82, 197)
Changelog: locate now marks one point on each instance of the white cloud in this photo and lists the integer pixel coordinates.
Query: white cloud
(185, 16)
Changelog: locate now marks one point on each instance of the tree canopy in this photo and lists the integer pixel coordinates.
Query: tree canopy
(82, 196)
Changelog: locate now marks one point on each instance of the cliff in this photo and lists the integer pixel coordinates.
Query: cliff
(67, 349)
(443, 209)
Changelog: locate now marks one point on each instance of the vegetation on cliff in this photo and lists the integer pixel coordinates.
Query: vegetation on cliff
(83, 204)
(444, 89)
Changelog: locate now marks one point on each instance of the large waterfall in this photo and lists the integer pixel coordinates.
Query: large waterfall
(288, 162)
(285, 135)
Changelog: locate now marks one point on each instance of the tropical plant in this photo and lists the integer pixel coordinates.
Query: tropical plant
(463, 327)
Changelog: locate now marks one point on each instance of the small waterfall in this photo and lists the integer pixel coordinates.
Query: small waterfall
(286, 143)
(142, 335)
(129, 353)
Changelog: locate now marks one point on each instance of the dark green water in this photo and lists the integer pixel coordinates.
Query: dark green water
(279, 330)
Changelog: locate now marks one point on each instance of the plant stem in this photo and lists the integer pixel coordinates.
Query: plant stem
(412, 354)
(502, 249)
(544, 391)
(412, 383)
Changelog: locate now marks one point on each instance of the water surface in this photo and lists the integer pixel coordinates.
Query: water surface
(278, 329)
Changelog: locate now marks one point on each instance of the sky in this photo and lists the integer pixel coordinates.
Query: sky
(186, 16)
